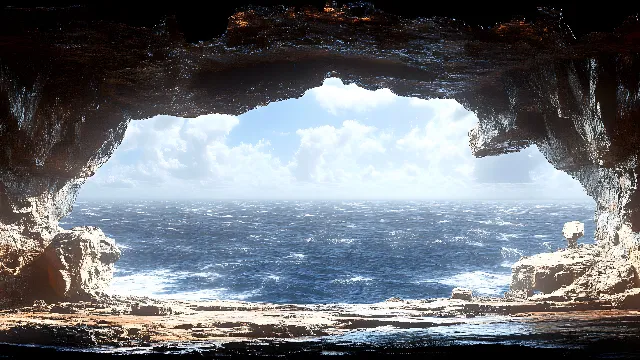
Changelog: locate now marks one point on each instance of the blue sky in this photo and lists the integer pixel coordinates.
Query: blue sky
(335, 142)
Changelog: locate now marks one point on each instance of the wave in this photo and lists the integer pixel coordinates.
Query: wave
(480, 282)
(272, 277)
(342, 241)
(508, 252)
(499, 222)
(162, 284)
(153, 283)
(507, 237)
(354, 279)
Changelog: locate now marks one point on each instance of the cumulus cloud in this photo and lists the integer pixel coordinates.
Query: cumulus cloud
(329, 154)
(189, 156)
(175, 157)
(333, 95)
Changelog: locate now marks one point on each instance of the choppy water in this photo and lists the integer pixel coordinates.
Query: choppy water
(324, 252)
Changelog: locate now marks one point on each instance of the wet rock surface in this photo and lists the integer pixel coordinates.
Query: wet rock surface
(111, 327)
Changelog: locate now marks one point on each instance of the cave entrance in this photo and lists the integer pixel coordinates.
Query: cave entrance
(343, 195)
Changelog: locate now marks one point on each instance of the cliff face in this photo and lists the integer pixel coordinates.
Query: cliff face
(67, 93)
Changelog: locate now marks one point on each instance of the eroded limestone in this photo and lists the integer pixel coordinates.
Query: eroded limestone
(67, 95)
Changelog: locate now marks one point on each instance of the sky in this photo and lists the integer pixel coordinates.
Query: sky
(335, 142)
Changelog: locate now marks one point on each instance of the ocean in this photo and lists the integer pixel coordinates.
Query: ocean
(315, 252)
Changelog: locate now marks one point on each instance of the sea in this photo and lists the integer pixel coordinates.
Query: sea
(319, 252)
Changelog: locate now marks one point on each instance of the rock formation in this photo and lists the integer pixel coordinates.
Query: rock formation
(573, 231)
(76, 265)
(70, 83)
(462, 294)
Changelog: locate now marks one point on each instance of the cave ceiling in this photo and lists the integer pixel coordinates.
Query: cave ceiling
(73, 75)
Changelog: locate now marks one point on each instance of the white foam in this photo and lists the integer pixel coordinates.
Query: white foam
(123, 247)
(540, 236)
(208, 294)
(205, 275)
(157, 283)
(353, 280)
(499, 222)
(342, 241)
(507, 237)
(480, 232)
(443, 221)
(510, 253)
(153, 283)
(480, 282)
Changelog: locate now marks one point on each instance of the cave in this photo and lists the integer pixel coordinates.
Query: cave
(73, 77)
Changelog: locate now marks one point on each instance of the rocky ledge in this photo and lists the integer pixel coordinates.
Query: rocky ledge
(137, 322)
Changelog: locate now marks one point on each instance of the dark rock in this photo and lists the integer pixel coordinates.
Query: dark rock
(150, 310)
(184, 326)
(68, 92)
(462, 294)
(61, 309)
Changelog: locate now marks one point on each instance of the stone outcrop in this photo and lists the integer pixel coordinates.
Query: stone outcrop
(462, 294)
(585, 272)
(70, 83)
(79, 263)
(572, 231)
(76, 265)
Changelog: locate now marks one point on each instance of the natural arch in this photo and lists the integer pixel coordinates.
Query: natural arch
(67, 95)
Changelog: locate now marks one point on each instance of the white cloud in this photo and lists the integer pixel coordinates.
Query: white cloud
(329, 154)
(188, 157)
(174, 157)
(333, 96)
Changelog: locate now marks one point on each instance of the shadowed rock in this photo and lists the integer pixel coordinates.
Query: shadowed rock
(70, 84)
(462, 294)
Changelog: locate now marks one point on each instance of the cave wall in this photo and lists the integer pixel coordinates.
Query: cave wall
(67, 93)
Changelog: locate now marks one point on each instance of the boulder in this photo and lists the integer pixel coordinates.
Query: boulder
(548, 272)
(79, 263)
(462, 294)
(630, 299)
(572, 231)
(150, 310)
(589, 271)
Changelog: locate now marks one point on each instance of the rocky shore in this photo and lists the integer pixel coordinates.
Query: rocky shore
(135, 325)
(68, 92)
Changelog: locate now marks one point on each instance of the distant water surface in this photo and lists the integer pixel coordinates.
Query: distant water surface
(324, 252)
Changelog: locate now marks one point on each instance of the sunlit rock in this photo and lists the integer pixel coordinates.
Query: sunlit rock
(549, 272)
(572, 231)
(462, 294)
(589, 271)
(79, 263)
